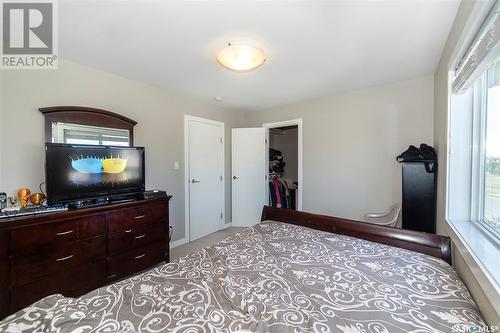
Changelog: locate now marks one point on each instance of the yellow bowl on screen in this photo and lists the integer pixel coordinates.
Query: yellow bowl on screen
(114, 165)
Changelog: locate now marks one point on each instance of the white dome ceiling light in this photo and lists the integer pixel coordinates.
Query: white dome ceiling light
(241, 58)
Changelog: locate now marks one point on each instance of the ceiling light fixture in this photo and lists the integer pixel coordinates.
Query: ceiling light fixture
(240, 58)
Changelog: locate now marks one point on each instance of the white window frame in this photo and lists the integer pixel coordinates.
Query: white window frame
(478, 169)
(59, 128)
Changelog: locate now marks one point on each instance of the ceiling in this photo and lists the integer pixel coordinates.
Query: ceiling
(313, 48)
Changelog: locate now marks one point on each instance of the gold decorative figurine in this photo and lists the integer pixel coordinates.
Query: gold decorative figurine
(37, 198)
(24, 195)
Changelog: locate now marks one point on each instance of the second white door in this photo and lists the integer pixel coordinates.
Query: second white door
(205, 176)
(248, 175)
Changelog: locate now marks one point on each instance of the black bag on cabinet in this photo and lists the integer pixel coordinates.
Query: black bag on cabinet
(412, 154)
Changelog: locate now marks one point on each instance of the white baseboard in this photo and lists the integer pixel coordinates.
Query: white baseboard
(178, 242)
(227, 225)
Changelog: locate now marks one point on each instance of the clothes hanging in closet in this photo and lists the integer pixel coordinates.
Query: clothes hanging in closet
(279, 195)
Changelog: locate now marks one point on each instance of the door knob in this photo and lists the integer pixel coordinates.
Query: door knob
(236, 177)
(195, 181)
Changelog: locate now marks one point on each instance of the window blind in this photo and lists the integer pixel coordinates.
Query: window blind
(86, 135)
(484, 51)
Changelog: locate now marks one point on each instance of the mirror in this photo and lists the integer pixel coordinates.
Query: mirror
(85, 125)
(89, 135)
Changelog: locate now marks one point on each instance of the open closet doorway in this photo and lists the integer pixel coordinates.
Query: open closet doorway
(284, 158)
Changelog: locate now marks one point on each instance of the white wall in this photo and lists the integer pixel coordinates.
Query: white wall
(351, 141)
(287, 143)
(159, 129)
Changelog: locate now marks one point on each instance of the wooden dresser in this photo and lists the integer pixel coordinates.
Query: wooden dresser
(74, 252)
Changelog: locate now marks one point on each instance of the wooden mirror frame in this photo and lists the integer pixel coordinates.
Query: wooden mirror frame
(83, 115)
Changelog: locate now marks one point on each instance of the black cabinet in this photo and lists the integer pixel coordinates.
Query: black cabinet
(419, 196)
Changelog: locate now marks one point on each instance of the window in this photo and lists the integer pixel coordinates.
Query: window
(491, 202)
(486, 159)
(473, 144)
(89, 135)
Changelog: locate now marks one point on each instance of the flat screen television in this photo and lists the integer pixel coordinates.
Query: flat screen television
(79, 172)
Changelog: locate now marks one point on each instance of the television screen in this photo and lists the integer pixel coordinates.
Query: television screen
(75, 172)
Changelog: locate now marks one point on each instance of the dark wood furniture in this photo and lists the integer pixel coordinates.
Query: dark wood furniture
(85, 116)
(74, 252)
(418, 211)
(431, 244)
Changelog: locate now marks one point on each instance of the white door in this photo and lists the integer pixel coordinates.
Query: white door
(205, 176)
(248, 175)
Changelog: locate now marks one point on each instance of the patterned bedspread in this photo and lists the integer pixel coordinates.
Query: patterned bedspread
(273, 277)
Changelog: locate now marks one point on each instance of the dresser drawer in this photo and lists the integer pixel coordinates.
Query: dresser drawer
(35, 238)
(128, 218)
(4, 260)
(4, 244)
(87, 278)
(136, 260)
(137, 236)
(4, 275)
(71, 284)
(27, 294)
(27, 269)
(32, 239)
(4, 302)
(92, 226)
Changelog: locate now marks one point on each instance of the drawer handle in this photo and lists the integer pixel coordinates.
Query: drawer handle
(64, 233)
(65, 258)
(139, 217)
(140, 256)
(111, 276)
(128, 231)
(141, 236)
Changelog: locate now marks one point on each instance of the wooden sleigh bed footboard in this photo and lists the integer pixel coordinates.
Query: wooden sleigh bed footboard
(430, 244)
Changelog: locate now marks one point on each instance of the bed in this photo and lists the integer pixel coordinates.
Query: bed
(294, 272)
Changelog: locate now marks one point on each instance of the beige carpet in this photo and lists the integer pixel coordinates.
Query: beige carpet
(185, 249)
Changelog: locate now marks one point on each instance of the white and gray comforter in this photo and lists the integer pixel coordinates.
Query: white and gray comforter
(273, 277)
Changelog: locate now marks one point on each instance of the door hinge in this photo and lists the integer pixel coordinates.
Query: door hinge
(221, 216)
(220, 140)
(220, 178)
(266, 141)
